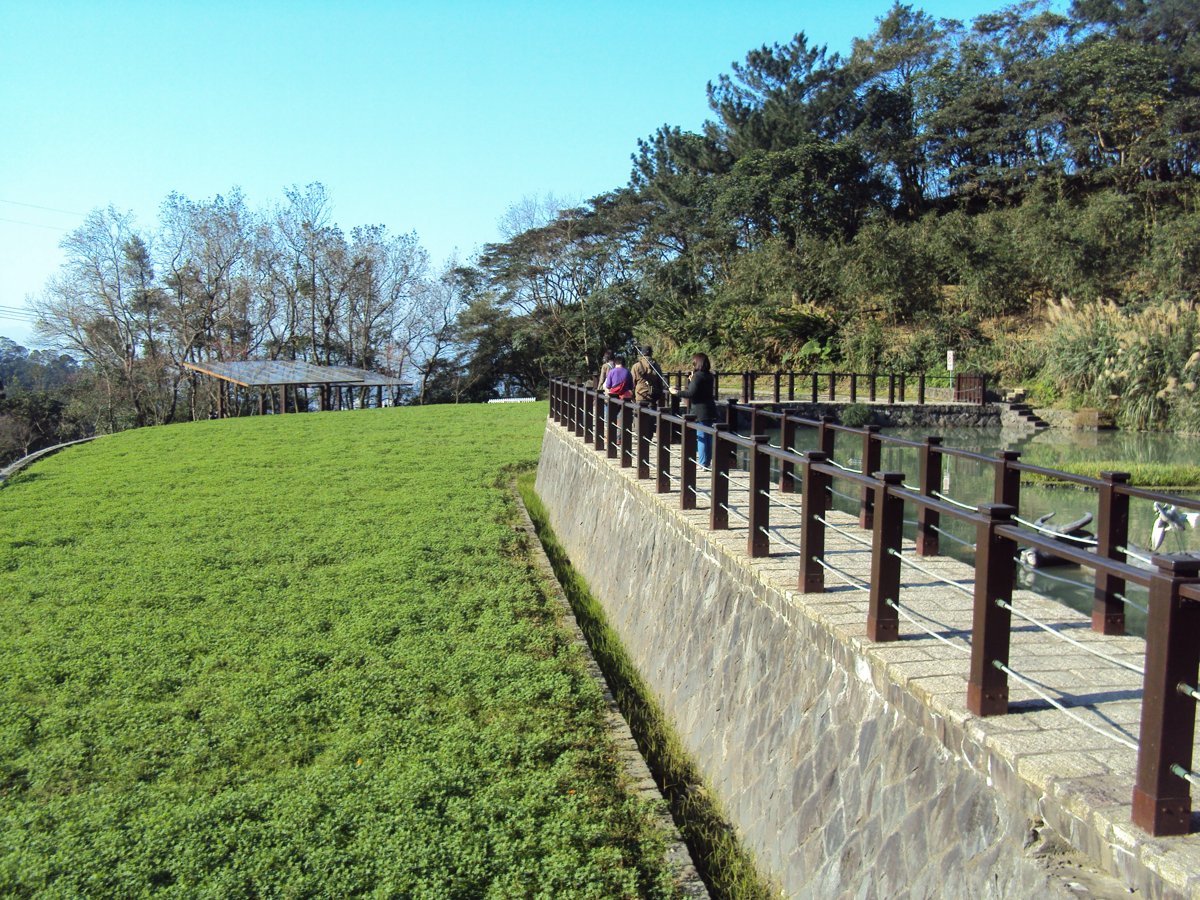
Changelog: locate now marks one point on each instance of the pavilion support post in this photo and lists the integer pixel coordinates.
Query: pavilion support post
(262, 405)
(379, 397)
(283, 398)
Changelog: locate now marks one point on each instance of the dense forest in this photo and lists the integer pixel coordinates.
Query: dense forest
(1022, 189)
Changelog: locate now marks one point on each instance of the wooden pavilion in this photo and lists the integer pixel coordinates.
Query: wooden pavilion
(264, 376)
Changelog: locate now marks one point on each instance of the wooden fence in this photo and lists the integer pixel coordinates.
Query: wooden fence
(1162, 796)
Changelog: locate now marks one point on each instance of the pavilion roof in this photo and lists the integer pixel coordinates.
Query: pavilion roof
(274, 372)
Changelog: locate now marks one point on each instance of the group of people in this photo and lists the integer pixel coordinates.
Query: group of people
(645, 383)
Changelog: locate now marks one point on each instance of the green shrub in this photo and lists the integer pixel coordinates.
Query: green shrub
(856, 415)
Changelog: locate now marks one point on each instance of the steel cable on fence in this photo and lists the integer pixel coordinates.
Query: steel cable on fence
(838, 465)
(904, 560)
(1138, 556)
(1070, 640)
(734, 510)
(1187, 774)
(1075, 583)
(955, 538)
(844, 531)
(781, 538)
(1133, 603)
(933, 634)
(784, 504)
(845, 576)
(1106, 732)
(952, 501)
(843, 496)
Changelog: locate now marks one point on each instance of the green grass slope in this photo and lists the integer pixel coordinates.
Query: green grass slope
(298, 656)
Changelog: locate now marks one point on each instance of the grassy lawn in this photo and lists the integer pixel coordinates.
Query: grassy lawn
(298, 656)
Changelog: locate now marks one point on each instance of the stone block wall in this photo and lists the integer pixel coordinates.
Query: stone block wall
(933, 416)
(838, 784)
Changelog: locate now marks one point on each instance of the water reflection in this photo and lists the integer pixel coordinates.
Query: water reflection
(972, 482)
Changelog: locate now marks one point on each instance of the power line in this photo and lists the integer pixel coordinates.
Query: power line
(34, 225)
(65, 212)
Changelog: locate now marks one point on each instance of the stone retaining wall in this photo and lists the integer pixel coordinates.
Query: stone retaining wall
(837, 786)
(910, 415)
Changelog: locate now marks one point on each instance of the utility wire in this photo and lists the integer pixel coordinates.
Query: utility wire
(65, 212)
(34, 225)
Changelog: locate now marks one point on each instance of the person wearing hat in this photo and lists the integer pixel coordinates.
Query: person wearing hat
(647, 378)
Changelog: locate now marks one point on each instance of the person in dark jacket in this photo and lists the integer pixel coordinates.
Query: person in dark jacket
(702, 403)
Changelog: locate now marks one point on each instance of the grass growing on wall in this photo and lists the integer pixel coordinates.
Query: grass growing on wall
(298, 656)
(727, 867)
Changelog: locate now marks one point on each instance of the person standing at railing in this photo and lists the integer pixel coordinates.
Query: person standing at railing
(619, 382)
(606, 364)
(648, 378)
(702, 403)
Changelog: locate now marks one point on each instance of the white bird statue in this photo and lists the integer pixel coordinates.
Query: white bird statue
(1170, 518)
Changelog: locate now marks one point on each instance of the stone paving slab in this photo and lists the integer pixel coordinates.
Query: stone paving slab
(1081, 763)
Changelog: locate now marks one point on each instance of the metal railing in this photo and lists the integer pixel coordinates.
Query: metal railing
(626, 431)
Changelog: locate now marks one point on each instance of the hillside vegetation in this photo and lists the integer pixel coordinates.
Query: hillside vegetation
(298, 656)
(1021, 189)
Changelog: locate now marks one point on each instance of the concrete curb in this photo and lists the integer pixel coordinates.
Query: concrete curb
(13, 468)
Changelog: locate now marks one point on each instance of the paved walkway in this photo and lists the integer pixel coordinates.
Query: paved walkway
(1084, 758)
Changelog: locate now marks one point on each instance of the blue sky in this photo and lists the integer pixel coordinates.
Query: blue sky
(431, 117)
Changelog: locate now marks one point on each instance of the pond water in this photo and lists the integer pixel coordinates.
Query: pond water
(972, 482)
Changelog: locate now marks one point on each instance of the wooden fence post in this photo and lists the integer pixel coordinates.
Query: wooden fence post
(928, 520)
(883, 621)
(1008, 480)
(687, 463)
(589, 417)
(731, 415)
(724, 454)
(1112, 531)
(614, 425)
(787, 470)
(627, 435)
(871, 452)
(599, 437)
(987, 686)
(814, 486)
(759, 541)
(644, 432)
(662, 483)
(1162, 801)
